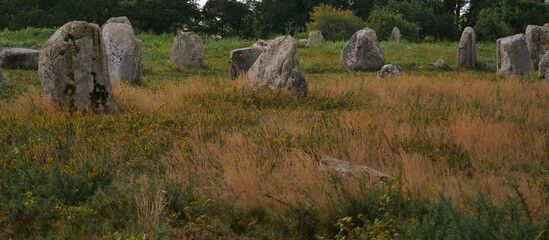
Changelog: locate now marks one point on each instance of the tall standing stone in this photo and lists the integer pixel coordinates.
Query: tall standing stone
(242, 59)
(19, 58)
(316, 37)
(123, 51)
(187, 50)
(395, 35)
(467, 48)
(535, 40)
(544, 67)
(73, 68)
(4, 81)
(513, 56)
(277, 68)
(362, 51)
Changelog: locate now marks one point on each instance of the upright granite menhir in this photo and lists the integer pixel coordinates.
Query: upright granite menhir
(512, 55)
(123, 51)
(187, 50)
(362, 52)
(277, 68)
(535, 40)
(467, 49)
(73, 69)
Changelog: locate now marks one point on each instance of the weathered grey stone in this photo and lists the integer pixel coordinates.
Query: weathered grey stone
(187, 50)
(512, 55)
(544, 67)
(277, 68)
(395, 35)
(73, 68)
(388, 71)
(467, 49)
(546, 31)
(362, 51)
(261, 44)
(330, 164)
(306, 43)
(123, 51)
(316, 37)
(440, 64)
(535, 40)
(19, 58)
(242, 59)
(4, 81)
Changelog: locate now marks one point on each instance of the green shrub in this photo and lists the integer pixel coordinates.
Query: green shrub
(383, 21)
(491, 25)
(335, 24)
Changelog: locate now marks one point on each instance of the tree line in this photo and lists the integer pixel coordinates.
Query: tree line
(423, 19)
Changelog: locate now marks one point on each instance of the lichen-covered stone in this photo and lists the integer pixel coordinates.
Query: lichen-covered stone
(395, 35)
(512, 55)
(389, 70)
(440, 64)
(467, 49)
(19, 58)
(277, 68)
(242, 59)
(544, 67)
(123, 51)
(316, 37)
(4, 81)
(306, 43)
(187, 50)
(535, 40)
(73, 68)
(362, 51)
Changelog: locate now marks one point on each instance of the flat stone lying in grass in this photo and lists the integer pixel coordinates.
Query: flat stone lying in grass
(330, 164)
(4, 81)
(544, 67)
(187, 50)
(512, 55)
(242, 59)
(441, 64)
(123, 51)
(306, 43)
(73, 68)
(277, 68)
(535, 40)
(389, 70)
(362, 52)
(19, 58)
(467, 49)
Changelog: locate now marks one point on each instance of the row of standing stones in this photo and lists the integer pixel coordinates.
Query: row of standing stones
(79, 63)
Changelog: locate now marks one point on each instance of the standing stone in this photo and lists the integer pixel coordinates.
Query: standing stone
(388, 71)
(19, 58)
(73, 68)
(4, 81)
(544, 67)
(242, 59)
(123, 51)
(316, 37)
(535, 39)
(278, 68)
(261, 44)
(546, 31)
(395, 35)
(512, 56)
(362, 51)
(467, 49)
(187, 50)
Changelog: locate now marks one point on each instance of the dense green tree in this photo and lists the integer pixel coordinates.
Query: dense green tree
(335, 24)
(227, 18)
(383, 21)
(273, 17)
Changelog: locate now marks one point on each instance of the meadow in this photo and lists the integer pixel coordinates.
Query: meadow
(193, 154)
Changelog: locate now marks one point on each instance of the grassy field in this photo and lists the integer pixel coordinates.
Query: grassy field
(192, 154)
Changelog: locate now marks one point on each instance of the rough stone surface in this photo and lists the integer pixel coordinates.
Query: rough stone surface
(4, 81)
(123, 51)
(440, 64)
(316, 37)
(395, 35)
(73, 68)
(512, 55)
(305, 43)
(261, 44)
(242, 59)
(362, 51)
(330, 164)
(535, 40)
(546, 31)
(277, 68)
(388, 71)
(19, 58)
(544, 67)
(187, 50)
(467, 49)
